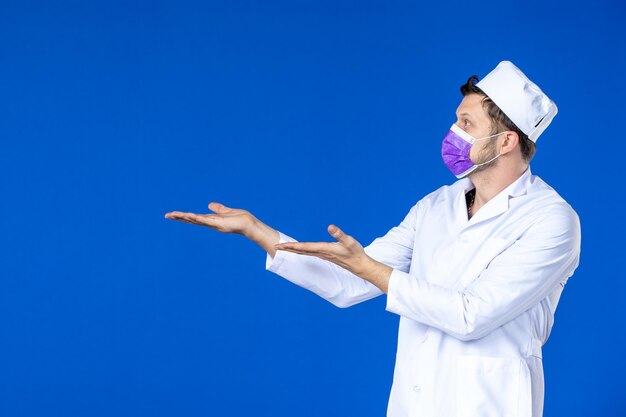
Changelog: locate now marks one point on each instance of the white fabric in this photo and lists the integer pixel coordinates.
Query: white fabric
(519, 98)
(476, 298)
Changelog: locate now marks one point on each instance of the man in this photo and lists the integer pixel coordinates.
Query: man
(475, 270)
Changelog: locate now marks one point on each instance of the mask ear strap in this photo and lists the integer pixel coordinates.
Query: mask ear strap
(491, 160)
(488, 137)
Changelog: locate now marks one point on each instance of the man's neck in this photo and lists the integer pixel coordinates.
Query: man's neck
(491, 182)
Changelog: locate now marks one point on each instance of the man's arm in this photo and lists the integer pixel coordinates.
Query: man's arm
(232, 220)
(343, 272)
(365, 276)
(515, 281)
(328, 280)
(264, 236)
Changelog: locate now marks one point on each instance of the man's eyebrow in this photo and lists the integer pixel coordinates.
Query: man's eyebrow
(465, 114)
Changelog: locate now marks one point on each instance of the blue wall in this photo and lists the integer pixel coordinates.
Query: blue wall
(305, 113)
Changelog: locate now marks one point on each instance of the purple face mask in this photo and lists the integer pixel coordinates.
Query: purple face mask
(455, 151)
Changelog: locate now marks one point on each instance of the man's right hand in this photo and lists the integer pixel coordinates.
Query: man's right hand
(226, 219)
(231, 220)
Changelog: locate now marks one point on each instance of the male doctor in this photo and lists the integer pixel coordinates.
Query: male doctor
(475, 270)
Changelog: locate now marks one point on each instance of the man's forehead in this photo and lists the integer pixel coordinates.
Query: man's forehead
(471, 106)
(464, 114)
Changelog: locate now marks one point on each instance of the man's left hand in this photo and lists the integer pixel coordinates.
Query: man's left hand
(347, 252)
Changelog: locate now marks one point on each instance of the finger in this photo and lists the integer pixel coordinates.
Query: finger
(218, 207)
(173, 215)
(306, 247)
(203, 220)
(338, 234)
(179, 217)
(304, 252)
(184, 220)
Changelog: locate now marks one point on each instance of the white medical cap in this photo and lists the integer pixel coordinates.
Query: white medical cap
(519, 98)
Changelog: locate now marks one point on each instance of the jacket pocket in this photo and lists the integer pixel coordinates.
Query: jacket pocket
(493, 387)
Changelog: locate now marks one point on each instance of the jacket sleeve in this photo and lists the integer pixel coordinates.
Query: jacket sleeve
(514, 281)
(336, 284)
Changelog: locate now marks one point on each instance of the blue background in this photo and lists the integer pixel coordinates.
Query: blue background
(306, 113)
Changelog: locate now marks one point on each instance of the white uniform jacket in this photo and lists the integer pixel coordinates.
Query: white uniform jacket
(476, 298)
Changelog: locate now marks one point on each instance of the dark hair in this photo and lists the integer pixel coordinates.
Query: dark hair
(499, 119)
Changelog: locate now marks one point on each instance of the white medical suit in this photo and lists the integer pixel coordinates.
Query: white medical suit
(476, 298)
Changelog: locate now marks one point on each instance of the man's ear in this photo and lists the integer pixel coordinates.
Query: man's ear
(510, 142)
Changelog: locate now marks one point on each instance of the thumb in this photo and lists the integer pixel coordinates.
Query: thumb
(218, 208)
(336, 232)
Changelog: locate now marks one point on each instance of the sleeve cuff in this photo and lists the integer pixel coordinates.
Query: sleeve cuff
(273, 264)
(394, 291)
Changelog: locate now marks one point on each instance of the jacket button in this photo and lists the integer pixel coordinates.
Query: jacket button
(417, 388)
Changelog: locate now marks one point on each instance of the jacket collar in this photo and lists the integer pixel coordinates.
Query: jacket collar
(498, 204)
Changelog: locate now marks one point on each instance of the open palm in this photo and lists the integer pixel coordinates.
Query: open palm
(225, 219)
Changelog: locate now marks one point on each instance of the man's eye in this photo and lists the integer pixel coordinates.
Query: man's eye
(465, 122)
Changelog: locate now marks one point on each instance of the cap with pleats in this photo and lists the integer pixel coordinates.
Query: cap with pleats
(519, 98)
